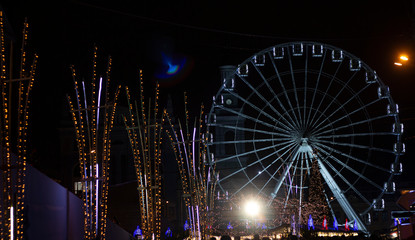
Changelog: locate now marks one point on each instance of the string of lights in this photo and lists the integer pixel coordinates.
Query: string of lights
(93, 123)
(14, 121)
(197, 175)
(144, 126)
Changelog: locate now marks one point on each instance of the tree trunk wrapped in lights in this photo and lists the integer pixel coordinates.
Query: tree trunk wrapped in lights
(144, 128)
(14, 118)
(93, 117)
(197, 176)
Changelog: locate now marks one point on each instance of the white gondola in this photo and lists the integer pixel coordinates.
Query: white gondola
(397, 128)
(278, 52)
(259, 60)
(396, 168)
(337, 55)
(243, 70)
(392, 109)
(355, 65)
(383, 92)
(379, 204)
(317, 51)
(298, 49)
(371, 77)
(389, 187)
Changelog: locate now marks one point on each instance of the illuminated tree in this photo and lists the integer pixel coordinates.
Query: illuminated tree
(144, 127)
(93, 118)
(198, 177)
(316, 206)
(14, 119)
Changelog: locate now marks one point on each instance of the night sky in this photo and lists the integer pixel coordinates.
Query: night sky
(143, 34)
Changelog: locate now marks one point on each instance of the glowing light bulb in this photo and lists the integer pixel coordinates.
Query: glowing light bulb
(252, 208)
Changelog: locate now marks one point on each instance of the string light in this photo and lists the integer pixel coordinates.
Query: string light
(189, 148)
(94, 146)
(12, 202)
(144, 128)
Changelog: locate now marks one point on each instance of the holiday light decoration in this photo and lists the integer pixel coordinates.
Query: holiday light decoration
(144, 126)
(14, 119)
(198, 178)
(93, 117)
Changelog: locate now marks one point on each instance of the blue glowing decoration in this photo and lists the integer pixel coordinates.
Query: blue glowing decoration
(264, 226)
(173, 69)
(335, 224)
(310, 222)
(168, 233)
(355, 227)
(137, 232)
(229, 227)
(186, 226)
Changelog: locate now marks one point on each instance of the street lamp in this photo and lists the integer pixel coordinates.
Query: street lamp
(403, 59)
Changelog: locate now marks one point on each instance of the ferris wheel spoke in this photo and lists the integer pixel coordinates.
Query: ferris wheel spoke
(251, 130)
(357, 146)
(305, 88)
(352, 124)
(347, 182)
(289, 188)
(354, 158)
(335, 99)
(345, 116)
(295, 88)
(351, 135)
(344, 104)
(327, 90)
(253, 119)
(349, 168)
(301, 187)
(263, 112)
(282, 179)
(276, 171)
(316, 87)
(289, 143)
(245, 141)
(259, 95)
(284, 90)
(339, 195)
(259, 173)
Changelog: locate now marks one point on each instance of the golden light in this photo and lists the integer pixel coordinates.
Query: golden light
(397, 63)
(404, 58)
(252, 208)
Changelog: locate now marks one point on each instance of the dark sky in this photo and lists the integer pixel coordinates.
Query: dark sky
(209, 34)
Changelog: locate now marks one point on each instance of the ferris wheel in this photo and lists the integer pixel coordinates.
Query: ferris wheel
(299, 102)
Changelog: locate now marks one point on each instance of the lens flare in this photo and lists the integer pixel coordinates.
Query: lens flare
(173, 69)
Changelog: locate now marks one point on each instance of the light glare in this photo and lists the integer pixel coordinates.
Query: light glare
(404, 58)
(252, 208)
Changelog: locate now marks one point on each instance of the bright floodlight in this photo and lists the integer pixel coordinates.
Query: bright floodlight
(252, 208)
(397, 63)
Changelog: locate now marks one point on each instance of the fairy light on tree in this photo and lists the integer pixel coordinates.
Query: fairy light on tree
(144, 126)
(93, 117)
(14, 119)
(198, 178)
(317, 205)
